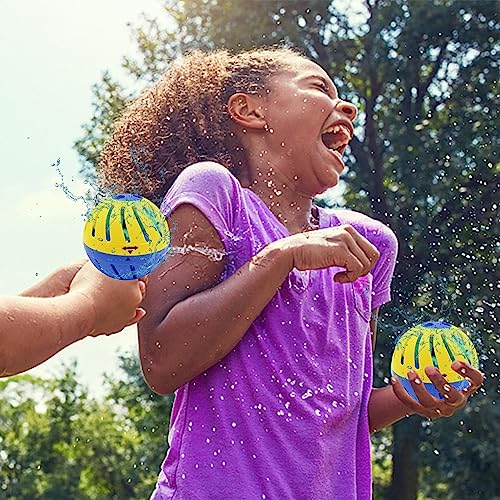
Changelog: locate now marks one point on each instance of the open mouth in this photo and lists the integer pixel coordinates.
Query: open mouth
(336, 138)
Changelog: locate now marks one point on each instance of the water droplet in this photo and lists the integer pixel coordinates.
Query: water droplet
(307, 394)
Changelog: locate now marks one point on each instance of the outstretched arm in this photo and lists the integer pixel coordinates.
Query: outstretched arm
(34, 328)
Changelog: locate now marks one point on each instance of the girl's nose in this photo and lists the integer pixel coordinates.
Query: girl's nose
(348, 109)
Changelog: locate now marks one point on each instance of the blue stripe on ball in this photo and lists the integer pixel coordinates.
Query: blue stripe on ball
(125, 267)
(429, 387)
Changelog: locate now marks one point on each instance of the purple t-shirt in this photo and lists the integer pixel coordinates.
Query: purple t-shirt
(285, 414)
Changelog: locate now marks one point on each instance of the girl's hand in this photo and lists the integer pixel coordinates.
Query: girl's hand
(56, 283)
(114, 302)
(340, 246)
(430, 406)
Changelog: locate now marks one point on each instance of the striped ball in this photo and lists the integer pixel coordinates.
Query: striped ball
(126, 237)
(435, 344)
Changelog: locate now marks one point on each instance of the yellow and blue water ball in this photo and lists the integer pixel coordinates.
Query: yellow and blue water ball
(126, 236)
(434, 343)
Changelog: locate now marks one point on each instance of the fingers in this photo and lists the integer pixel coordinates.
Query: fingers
(80, 263)
(452, 397)
(360, 256)
(412, 404)
(74, 268)
(475, 377)
(429, 406)
(139, 314)
(425, 399)
(403, 396)
(369, 252)
(354, 269)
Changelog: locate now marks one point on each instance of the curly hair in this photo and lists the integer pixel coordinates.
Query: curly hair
(184, 119)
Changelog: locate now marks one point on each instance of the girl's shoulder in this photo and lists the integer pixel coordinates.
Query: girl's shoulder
(209, 182)
(211, 189)
(208, 175)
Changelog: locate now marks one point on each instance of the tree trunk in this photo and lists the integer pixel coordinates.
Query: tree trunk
(404, 482)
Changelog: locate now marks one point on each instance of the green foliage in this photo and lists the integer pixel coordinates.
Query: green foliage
(148, 415)
(57, 442)
(110, 101)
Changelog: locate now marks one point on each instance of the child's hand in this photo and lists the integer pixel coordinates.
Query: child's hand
(340, 246)
(114, 302)
(430, 406)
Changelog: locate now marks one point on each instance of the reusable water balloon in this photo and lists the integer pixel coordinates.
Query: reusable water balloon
(126, 236)
(435, 344)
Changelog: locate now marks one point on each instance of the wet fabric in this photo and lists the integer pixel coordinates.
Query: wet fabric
(285, 414)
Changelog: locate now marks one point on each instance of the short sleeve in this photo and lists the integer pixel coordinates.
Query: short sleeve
(214, 191)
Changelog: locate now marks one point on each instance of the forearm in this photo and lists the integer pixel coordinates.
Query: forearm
(384, 408)
(202, 329)
(33, 329)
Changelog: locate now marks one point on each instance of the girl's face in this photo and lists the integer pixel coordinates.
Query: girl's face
(308, 127)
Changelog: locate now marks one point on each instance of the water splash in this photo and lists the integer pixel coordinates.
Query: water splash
(93, 196)
(212, 253)
(96, 193)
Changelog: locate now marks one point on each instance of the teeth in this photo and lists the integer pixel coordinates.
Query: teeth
(342, 136)
(338, 128)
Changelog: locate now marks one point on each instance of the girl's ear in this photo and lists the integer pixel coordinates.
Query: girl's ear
(246, 110)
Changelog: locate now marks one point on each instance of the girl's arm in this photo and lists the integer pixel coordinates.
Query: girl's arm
(384, 408)
(32, 329)
(193, 321)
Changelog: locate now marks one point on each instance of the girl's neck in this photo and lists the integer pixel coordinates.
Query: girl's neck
(294, 209)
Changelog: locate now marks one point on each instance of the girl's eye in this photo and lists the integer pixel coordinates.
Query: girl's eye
(322, 87)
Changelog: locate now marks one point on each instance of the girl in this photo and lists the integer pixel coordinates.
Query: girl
(262, 323)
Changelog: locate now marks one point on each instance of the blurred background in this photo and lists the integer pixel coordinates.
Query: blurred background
(424, 75)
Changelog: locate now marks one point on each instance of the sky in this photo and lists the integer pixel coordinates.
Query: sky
(51, 53)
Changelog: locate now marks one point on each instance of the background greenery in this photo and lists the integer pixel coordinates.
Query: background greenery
(424, 74)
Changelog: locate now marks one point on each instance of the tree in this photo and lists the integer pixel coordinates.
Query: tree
(57, 442)
(147, 414)
(424, 76)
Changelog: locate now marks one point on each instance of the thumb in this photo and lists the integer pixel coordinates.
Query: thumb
(139, 314)
(142, 288)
